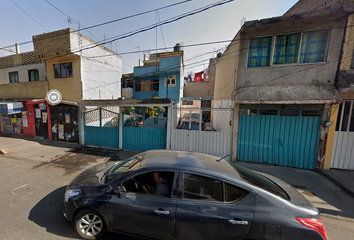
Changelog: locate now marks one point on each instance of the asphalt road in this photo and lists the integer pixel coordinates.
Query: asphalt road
(34, 176)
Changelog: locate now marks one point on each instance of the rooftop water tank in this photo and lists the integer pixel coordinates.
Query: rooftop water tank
(177, 48)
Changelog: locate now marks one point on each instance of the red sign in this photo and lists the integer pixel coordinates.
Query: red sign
(198, 77)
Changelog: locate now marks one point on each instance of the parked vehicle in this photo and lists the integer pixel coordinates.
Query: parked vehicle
(132, 120)
(193, 116)
(156, 122)
(207, 198)
(194, 124)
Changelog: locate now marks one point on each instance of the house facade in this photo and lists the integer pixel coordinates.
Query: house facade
(280, 76)
(161, 76)
(68, 62)
(339, 150)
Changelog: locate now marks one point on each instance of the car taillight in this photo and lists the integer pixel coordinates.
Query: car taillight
(315, 224)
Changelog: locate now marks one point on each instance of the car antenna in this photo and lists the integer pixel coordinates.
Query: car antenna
(219, 160)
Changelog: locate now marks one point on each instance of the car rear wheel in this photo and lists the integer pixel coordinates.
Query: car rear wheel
(89, 224)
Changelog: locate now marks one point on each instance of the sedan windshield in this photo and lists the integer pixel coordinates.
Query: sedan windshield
(125, 167)
(258, 180)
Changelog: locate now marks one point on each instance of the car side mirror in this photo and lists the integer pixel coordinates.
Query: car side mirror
(116, 192)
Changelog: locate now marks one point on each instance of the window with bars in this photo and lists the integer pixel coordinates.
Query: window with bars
(289, 110)
(345, 121)
(63, 70)
(147, 86)
(13, 77)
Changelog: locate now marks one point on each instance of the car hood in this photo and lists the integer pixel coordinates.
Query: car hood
(91, 176)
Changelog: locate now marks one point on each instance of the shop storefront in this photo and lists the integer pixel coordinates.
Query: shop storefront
(13, 117)
(64, 123)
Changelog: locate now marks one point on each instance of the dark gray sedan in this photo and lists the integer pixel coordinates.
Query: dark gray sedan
(181, 195)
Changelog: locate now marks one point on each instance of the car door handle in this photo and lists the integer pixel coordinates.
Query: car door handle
(161, 212)
(238, 222)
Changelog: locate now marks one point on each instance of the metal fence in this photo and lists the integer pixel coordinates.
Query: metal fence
(204, 130)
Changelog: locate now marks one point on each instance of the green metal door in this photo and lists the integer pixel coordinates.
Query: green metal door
(101, 128)
(285, 135)
(144, 129)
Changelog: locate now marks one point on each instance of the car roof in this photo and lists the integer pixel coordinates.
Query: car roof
(182, 160)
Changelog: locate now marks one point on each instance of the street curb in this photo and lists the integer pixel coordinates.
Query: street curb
(344, 188)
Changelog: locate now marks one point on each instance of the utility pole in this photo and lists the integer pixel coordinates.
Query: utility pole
(7, 49)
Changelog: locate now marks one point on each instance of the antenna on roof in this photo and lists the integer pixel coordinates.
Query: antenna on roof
(219, 160)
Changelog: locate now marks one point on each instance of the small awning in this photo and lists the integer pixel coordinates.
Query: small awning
(126, 103)
(11, 107)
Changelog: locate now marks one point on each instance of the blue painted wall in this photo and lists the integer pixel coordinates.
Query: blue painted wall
(167, 68)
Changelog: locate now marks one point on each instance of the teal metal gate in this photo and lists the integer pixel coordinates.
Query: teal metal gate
(101, 128)
(144, 130)
(285, 135)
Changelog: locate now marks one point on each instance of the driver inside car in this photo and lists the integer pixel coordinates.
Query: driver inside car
(162, 187)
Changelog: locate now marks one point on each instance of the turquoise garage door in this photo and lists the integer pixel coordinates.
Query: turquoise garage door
(284, 135)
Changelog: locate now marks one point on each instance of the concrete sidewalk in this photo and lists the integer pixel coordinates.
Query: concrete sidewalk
(32, 149)
(343, 178)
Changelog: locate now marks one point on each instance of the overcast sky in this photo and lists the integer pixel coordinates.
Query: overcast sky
(219, 23)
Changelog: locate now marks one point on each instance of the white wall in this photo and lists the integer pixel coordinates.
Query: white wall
(222, 115)
(22, 72)
(100, 76)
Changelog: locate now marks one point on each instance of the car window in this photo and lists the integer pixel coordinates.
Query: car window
(125, 167)
(260, 181)
(233, 193)
(201, 188)
(157, 183)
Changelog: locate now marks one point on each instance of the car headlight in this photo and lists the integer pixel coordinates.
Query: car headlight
(71, 193)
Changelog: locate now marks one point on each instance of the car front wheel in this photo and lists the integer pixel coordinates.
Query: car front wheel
(89, 224)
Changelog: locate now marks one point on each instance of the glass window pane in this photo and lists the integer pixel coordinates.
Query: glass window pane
(202, 188)
(233, 193)
(63, 70)
(259, 52)
(13, 77)
(313, 46)
(259, 181)
(69, 67)
(138, 86)
(286, 48)
(57, 70)
(36, 75)
(155, 86)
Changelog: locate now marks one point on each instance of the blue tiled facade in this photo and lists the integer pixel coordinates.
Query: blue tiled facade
(168, 67)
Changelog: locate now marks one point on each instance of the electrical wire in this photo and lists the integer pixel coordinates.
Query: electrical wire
(29, 16)
(119, 19)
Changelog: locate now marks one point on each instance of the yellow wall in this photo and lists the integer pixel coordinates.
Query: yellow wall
(70, 88)
(330, 137)
(348, 44)
(29, 90)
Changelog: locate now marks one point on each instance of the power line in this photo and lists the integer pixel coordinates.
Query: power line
(69, 17)
(147, 28)
(29, 16)
(163, 38)
(171, 20)
(119, 19)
